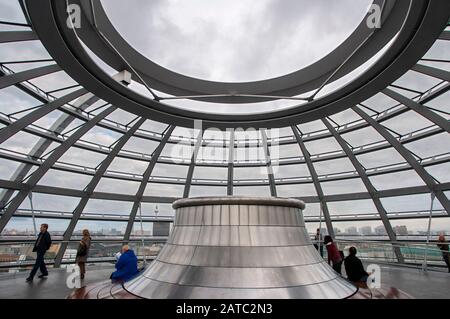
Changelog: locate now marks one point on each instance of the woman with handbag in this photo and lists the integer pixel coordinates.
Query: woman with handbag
(83, 251)
(334, 254)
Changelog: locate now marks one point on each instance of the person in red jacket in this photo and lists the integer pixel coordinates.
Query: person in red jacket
(443, 246)
(334, 255)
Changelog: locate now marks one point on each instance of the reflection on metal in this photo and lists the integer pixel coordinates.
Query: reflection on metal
(239, 247)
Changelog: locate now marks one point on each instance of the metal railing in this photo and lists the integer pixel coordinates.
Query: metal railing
(17, 255)
(416, 254)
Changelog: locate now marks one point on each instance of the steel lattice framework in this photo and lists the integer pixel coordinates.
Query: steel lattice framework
(413, 26)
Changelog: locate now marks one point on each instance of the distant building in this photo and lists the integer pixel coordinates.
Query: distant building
(161, 228)
(366, 230)
(401, 230)
(351, 230)
(380, 230)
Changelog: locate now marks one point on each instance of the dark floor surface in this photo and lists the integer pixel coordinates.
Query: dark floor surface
(430, 284)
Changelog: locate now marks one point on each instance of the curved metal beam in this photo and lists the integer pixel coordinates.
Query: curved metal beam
(43, 143)
(406, 154)
(148, 172)
(17, 36)
(315, 178)
(43, 189)
(419, 108)
(31, 117)
(15, 78)
(230, 175)
(198, 143)
(431, 71)
(268, 160)
(370, 188)
(48, 163)
(425, 22)
(91, 187)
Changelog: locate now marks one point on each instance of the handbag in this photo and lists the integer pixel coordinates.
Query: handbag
(82, 250)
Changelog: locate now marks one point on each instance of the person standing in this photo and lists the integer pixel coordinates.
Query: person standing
(443, 246)
(334, 255)
(83, 252)
(42, 244)
(318, 242)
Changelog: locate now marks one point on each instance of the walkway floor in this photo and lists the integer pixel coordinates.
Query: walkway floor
(430, 285)
(13, 286)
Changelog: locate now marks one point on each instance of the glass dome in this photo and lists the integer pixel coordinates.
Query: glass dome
(372, 170)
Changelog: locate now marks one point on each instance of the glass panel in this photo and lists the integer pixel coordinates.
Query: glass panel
(82, 157)
(128, 166)
(363, 136)
(396, 180)
(140, 145)
(100, 229)
(7, 168)
(334, 166)
(345, 117)
(430, 146)
(296, 190)
(441, 103)
(380, 102)
(242, 173)
(418, 203)
(58, 178)
(380, 158)
(353, 207)
(218, 173)
(51, 202)
(110, 207)
(258, 191)
(116, 186)
(323, 145)
(348, 186)
(440, 172)
(157, 189)
(360, 230)
(416, 81)
(166, 170)
(407, 122)
(286, 171)
(201, 191)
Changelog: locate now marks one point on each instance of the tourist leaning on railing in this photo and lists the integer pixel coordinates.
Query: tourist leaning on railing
(443, 246)
(333, 253)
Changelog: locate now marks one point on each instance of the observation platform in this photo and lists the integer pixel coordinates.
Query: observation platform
(433, 284)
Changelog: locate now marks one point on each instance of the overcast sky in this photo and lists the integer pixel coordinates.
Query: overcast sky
(235, 40)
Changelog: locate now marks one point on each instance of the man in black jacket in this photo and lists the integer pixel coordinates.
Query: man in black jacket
(41, 245)
(354, 267)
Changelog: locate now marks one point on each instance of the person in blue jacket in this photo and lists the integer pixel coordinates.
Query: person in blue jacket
(126, 266)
